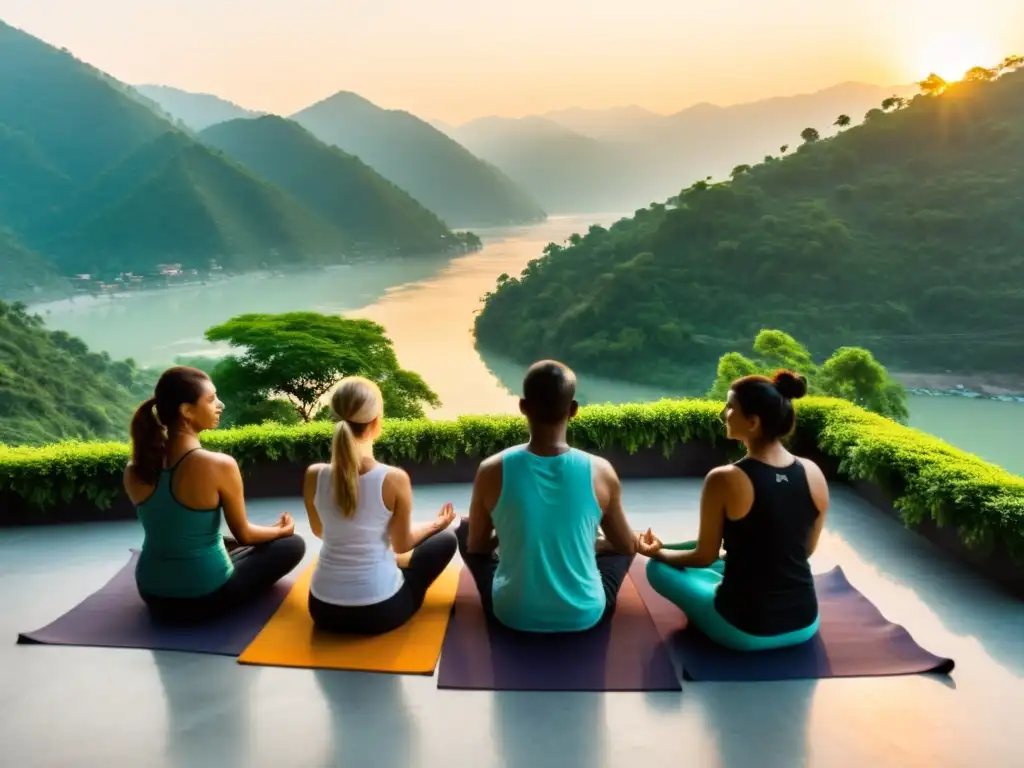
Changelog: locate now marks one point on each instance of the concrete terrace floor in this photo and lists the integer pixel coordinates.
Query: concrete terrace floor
(83, 707)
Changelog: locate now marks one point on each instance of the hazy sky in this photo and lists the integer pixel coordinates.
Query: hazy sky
(458, 59)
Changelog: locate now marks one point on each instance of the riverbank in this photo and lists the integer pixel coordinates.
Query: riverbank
(994, 386)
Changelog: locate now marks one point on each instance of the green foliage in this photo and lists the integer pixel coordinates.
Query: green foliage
(302, 355)
(900, 235)
(850, 374)
(52, 387)
(929, 479)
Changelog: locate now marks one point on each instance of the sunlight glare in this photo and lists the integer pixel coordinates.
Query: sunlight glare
(951, 55)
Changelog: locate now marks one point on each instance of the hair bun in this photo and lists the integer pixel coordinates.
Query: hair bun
(790, 385)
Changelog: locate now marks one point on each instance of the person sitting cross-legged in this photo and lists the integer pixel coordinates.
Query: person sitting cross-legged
(531, 541)
(768, 510)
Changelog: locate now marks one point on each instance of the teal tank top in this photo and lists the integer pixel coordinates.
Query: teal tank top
(183, 552)
(546, 520)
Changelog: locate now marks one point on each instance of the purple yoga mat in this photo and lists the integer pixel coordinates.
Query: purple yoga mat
(625, 654)
(854, 640)
(115, 617)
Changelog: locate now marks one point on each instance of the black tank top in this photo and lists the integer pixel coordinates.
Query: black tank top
(768, 588)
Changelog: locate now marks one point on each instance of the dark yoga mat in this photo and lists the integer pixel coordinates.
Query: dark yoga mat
(854, 640)
(625, 654)
(115, 617)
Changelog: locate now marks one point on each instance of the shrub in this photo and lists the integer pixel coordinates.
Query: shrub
(927, 478)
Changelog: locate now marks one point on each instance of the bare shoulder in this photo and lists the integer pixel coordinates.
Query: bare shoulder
(315, 469)
(397, 478)
(724, 476)
(604, 469)
(817, 482)
(814, 473)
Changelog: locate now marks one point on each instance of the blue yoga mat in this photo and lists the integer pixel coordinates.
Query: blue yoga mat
(854, 640)
(115, 617)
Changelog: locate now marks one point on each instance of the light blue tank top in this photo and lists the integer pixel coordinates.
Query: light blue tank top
(546, 520)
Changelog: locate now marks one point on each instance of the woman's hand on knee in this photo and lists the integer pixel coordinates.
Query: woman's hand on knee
(648, 544)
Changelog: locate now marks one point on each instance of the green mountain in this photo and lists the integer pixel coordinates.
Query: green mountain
(232, 218)
(440, 173)
(24, 272)
(338, 186)
(53, 388)
(902, 235)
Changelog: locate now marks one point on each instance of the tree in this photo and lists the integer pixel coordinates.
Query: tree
(300, 356)
(739, 170)
(933, 85)
(893, 102)
(979, 75)
(1010, 63)
(784, 149)
(809, 135)
(843, 121)
(851, 373)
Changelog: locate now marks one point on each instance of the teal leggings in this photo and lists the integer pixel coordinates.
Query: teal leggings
(693, 590)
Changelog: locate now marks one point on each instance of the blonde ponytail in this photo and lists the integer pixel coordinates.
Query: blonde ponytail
(345, 469)
(355, 404)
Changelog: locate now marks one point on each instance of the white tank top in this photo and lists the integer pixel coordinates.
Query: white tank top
(357, 564)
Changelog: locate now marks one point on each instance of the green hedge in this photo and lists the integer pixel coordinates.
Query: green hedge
(928, 478)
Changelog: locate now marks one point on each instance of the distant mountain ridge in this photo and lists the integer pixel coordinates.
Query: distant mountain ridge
(340, 187)
(621, 158)
(442, 174)
(94, 180)
(196, 110)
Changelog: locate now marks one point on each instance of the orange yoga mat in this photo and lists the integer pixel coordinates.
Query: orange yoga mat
(289, 639)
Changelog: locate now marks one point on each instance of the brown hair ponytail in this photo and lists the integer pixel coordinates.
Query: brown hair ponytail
(159, 415)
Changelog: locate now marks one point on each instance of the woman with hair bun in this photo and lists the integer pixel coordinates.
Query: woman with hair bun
(187, 572)
(375, 566)
(768, 510)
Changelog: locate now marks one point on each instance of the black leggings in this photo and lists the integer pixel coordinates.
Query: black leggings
(256, 569)
(613, 568)
(428, 560)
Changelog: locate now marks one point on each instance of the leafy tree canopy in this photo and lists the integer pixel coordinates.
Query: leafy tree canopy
(850, 373)
(300, 356)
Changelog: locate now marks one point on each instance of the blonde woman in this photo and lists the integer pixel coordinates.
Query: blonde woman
(375, 567)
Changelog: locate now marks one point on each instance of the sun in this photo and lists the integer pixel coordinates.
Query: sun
(951, 55)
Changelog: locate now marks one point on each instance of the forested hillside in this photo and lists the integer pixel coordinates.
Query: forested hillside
(53, 388)
(902, 235)
(461, 188)
(340, 187)
(95, 180)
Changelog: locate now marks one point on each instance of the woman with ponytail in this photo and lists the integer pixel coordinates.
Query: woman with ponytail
(768, 510)
(375, 567)
(187, 571)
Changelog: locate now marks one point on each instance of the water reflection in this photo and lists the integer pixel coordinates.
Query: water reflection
(371, 720)
(534, 729)
(208, 709)
(748, 733)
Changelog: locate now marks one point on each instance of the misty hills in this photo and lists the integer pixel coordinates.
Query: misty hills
(196, 110)
(414, 155)
(337, 185)
(619, 159)
(430, 166)
(94, 178)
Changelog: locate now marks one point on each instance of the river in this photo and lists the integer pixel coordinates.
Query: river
(427, 306)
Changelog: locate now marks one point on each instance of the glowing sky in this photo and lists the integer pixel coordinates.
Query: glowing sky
(458, 59)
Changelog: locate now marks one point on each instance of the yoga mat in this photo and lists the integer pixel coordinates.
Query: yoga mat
(115, 617)
(625, 654)
(854, 640)
(290, 640)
